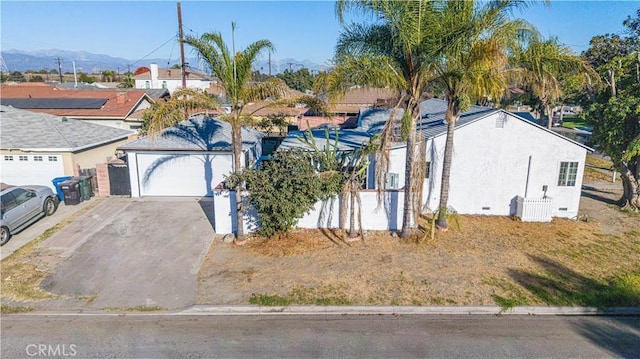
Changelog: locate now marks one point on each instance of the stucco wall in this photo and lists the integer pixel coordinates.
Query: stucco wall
(90, 157)
(386, 216)
(490, 166)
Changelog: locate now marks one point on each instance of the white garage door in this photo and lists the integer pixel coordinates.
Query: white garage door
(31, 169)
(179, 174)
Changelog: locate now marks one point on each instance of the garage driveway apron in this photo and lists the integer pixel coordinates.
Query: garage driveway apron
(133, 252)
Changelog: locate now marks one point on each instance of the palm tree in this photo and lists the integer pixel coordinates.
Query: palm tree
(162, 115)
(477, 38)
(458, 45)
(542, 65)
(233, 70)
(395, 53)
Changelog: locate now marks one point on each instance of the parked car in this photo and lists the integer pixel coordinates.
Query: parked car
(20, 206)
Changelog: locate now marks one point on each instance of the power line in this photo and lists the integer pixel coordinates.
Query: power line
(156, 49)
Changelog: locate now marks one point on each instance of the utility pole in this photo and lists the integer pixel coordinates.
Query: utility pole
(60, 69)
(269, 63)
(182, 63)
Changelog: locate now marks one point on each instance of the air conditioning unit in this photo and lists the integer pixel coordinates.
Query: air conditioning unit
(534, 209)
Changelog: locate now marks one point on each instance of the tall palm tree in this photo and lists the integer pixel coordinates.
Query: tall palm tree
(542, 65)
(477, 38)
(396, 53)
(234, 69)
(458, 45)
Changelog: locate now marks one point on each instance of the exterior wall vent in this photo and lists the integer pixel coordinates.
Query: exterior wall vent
(486, 208)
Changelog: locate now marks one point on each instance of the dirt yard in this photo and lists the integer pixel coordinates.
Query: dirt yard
(486, 261)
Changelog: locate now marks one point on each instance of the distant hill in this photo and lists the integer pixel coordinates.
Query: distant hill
(17, 60)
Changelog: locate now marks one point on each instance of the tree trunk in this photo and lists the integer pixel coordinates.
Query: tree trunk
(612, 82)
(237, 155)
(547, 108)
(408, 177)
(352, 217)
(451, 117)
(631, 196)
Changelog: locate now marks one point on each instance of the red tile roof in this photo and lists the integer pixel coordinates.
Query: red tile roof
(120, 104)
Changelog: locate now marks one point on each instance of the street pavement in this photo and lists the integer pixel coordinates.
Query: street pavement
(317, 336)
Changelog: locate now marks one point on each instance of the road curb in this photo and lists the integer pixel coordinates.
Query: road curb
(400, 310)
(254, 310)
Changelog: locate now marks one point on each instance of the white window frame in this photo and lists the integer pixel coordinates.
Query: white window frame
(568, 174)
(37, 158)
(8, 158)
(23, 158)
(53, 158)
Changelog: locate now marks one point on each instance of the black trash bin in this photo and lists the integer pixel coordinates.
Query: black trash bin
(71, 191)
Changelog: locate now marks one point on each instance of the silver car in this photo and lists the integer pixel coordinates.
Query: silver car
(23, 205)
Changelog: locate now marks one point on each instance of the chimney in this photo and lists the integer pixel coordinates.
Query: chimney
(154, 75)
(121, 98)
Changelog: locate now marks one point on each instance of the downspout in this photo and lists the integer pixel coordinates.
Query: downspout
(526, 186)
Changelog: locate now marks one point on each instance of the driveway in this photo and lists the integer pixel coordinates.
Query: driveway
(133, 252)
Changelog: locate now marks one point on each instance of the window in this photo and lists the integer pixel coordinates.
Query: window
(37, 158)
(391, 181)
(147, 84)
(8, 201)
(23, 158)
(568, 174)
(500, 120)
(164, 84)
(53, 158)
(427, 170)
(20, 195)
(8, 158)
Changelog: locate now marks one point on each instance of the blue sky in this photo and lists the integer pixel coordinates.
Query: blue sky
(298, 29)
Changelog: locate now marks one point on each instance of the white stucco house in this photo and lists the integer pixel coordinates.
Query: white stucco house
(170, 79)
(502, 163)
(188, 159)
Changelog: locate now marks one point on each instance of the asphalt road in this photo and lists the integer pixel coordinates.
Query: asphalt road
(292, 336)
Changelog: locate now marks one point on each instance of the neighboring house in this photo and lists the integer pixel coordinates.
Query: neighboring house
(189, 159)
(37, 147)
(170, 79)
(497, 158)
(109, 107)
(344, 111)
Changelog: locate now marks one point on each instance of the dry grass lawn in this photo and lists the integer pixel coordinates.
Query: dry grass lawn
(486, 261)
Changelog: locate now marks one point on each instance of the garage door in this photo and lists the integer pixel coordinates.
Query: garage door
(179, 174)
(31, 169)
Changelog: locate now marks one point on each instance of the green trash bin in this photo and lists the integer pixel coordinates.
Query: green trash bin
(86, 189)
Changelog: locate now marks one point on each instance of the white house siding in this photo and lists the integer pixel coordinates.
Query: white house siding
(177, 173)
(490, 168)
(28, 171)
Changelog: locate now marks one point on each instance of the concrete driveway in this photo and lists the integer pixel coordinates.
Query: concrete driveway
(133, 252)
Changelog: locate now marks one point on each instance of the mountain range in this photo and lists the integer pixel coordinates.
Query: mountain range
(17, 60)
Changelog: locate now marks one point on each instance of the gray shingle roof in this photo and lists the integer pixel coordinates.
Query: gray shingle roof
(198, 133)
(371, 121)
(433, 111)
(21, 129)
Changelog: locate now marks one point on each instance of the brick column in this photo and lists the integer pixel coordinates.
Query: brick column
(102, 174)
